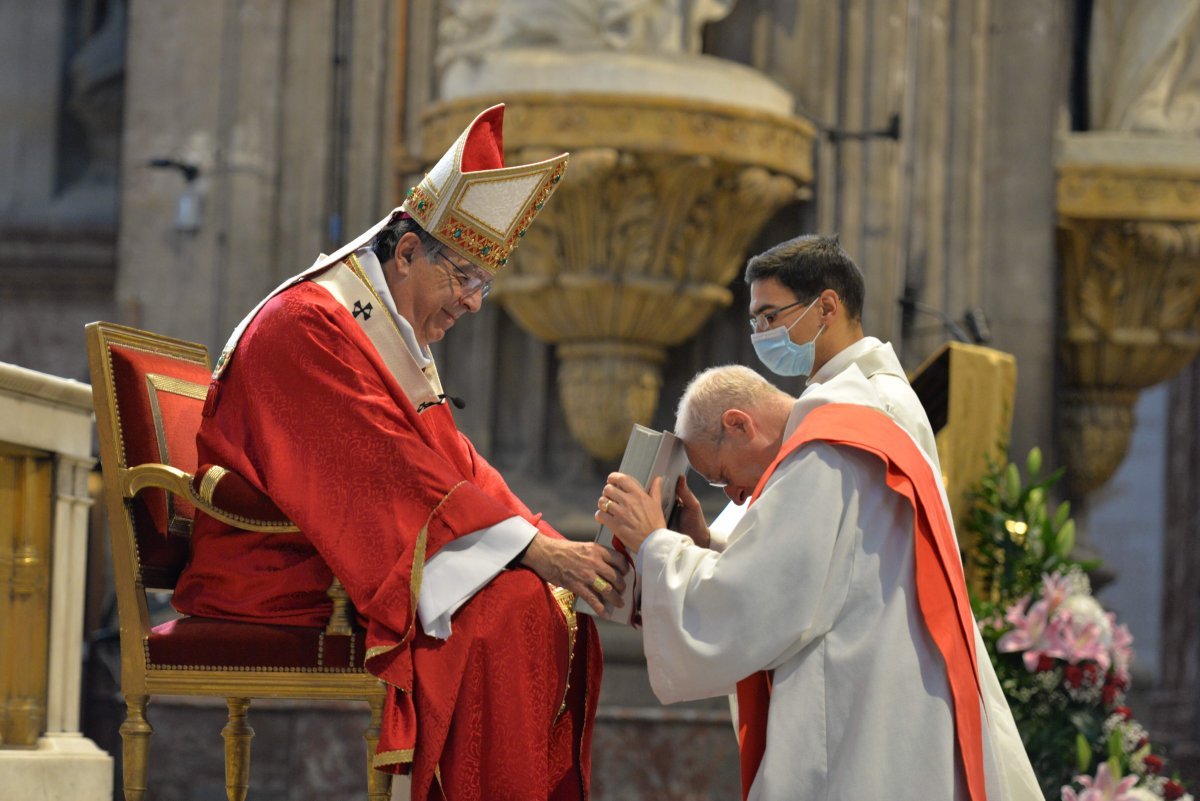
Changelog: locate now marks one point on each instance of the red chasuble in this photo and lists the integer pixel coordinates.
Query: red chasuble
(941, 585)
(308, 413)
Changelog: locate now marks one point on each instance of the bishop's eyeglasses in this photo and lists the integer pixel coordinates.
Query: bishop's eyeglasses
(468, 282)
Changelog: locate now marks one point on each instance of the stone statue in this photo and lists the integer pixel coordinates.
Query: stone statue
(472, 28)
(1144, 66)
(89, 150)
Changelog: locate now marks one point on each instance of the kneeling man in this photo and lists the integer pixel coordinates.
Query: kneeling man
(838, 607)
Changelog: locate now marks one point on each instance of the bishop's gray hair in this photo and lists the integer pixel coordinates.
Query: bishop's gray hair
(712, 393)
(384, 243)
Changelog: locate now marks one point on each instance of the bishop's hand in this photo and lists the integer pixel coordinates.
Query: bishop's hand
(591, 571)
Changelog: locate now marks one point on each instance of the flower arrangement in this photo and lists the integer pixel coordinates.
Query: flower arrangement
(1062, 660)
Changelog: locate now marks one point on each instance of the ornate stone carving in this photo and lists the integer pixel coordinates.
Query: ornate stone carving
(1129, 239)
(635, 124)
(1124, 192)
(634, 253)
(1143, 69)
(472, 27)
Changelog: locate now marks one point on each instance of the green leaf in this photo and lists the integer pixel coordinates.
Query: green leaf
(1036, 547)
(1083, 754)
(1066, 540)
(1061, 514)
(1033, 464)
(1115, 750)
(1012, 484)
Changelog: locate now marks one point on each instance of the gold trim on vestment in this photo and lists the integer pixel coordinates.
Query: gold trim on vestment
(376, 650)
(401, 757)
(356, 267)
(419, 553)
(418, 569)
(566, 603)
(343, 283)
(430, 370)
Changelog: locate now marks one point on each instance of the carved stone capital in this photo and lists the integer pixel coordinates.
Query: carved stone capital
(1128, 192)
(1129, 242)
(1131, 301)
(634, 124)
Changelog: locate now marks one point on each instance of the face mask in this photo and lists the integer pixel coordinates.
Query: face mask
(781, 355)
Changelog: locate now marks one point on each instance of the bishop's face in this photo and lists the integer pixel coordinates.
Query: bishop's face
(445, 287)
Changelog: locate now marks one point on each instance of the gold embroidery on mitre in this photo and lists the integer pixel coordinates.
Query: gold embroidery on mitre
(482, 214)
(484, 245)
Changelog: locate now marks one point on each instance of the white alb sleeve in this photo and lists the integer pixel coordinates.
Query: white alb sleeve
(463, 566)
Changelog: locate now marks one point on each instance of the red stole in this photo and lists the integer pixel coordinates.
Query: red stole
(941, 585)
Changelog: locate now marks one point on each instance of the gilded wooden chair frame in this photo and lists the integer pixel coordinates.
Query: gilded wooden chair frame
(139, 680)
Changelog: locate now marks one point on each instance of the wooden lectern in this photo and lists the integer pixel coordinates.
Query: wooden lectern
(968, 392)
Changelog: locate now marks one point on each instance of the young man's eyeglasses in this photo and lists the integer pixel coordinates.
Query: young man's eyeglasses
(764, 320)
(468, 282)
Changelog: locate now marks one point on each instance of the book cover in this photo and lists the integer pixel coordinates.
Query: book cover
(648, 455)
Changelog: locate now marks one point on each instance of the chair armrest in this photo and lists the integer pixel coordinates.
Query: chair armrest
(177, 482)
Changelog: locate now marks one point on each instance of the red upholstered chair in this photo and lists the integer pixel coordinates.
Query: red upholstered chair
(148, 393)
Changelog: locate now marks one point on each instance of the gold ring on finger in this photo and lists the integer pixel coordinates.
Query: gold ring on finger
(600, 585)
(607, 503)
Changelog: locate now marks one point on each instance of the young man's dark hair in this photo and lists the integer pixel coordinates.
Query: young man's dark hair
(810, 264)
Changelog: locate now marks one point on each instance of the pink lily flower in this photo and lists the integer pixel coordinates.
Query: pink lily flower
(1103, 788)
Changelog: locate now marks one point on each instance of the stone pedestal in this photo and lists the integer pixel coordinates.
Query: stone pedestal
(63, 766)
(48, 418)
(643, 750)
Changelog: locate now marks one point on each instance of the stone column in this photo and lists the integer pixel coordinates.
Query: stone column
(1177, 696)
(51, 416)
(284, 110)
(60, 98)
(959, 211)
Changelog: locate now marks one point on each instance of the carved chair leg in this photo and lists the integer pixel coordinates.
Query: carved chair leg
(135, 732)
(237, 734)
(378, 782)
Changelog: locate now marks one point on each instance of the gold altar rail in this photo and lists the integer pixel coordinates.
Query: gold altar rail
(26, 497)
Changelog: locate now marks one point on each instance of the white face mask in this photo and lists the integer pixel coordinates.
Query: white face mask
(782, 356)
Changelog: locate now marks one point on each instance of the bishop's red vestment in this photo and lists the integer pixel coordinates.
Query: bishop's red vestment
(309, 414)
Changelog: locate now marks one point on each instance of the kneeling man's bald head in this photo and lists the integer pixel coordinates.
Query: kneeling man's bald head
(731, 421)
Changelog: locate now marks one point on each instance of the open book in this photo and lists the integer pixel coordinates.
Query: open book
(648, 454)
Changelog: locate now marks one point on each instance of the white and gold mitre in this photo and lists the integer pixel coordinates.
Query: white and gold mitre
(474, 204)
